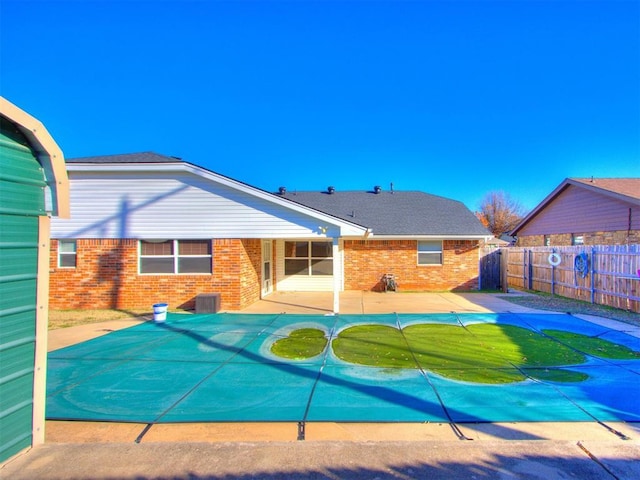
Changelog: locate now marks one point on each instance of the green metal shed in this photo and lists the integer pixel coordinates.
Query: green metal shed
(33, 186)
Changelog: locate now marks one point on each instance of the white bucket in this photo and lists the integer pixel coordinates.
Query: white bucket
(160, 312)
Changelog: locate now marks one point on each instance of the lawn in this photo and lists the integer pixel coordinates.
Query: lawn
(72, 318)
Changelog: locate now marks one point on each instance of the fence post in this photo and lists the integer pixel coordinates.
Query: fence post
(553, 276)
(593, 271)
(480, 261)
(504, 274)
(530, 270)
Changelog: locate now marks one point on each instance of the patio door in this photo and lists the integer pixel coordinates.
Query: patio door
(267, 275)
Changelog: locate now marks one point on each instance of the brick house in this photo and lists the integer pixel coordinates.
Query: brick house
(581, 211)
(146, 228)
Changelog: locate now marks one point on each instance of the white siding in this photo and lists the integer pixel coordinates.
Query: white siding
(175, 205)
(301, 283)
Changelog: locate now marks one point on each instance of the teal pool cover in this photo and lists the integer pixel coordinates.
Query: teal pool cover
(220, 368)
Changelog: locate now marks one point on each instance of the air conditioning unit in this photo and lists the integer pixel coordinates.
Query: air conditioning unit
(208, 303)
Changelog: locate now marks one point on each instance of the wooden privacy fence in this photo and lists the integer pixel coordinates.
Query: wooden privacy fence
(602, 274)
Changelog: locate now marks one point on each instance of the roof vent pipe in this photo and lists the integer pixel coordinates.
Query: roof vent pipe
(377, 189)
(282, 190)
(331, 190)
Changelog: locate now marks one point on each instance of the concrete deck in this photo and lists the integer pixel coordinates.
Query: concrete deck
(95, 450)
(361, 302)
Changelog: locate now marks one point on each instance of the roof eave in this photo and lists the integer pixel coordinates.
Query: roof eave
(604, 191)
(539, 207)
(48, 152)
(350, 228)
(559, 189)
(441, 236)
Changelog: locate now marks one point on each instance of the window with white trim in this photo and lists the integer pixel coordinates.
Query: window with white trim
(308, 258)
(67, 254)
(430, 252)
(577, 239)
(175, 257)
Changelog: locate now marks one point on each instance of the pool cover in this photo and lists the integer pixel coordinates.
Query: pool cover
(220, 368)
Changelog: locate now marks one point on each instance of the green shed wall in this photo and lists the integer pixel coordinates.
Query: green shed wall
(21, 203)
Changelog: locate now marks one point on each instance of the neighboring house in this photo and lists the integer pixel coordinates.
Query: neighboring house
(494, 242)
(146, 228)
(33, 187)
(581, 211)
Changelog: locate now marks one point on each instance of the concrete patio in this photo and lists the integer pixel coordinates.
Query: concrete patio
(364, 302)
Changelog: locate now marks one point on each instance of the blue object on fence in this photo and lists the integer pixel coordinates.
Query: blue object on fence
(581, 265)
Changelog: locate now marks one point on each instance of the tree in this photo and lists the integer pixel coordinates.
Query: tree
(499, 213)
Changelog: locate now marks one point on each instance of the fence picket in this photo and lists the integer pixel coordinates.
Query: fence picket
(612, 276)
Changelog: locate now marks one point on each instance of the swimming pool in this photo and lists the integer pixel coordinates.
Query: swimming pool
(221, 368)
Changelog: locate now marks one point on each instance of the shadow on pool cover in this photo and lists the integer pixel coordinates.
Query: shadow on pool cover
(218, 368)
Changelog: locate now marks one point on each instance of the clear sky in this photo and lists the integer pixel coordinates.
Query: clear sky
(454, 98)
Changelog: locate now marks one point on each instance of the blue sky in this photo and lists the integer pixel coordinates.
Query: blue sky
(455, 98)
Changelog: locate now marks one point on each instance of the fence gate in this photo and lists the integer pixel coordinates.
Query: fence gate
(490, 269)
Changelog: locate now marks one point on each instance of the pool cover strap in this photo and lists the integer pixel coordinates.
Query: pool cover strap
(559, 391)
(202, 380)
(587, 354)
(301, 424)
(452, 424)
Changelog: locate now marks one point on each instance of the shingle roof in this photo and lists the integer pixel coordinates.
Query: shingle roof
(143, 157)
(385, 213)
(395, 213)
(629, 187)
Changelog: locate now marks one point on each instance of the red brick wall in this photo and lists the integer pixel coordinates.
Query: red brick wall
(237, 266)
(366, 261)
(106, 276)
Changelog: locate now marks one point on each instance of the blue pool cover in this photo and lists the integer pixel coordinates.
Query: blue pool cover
(220, 368)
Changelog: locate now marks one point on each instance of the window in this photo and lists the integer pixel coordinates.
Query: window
(430, 252)
(308, 258)
(577, 239)
(175, 257)
(67, 253)
(547, 240)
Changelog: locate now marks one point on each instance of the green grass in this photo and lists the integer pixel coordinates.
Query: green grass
(301, 344)
(556, 375)
(596, 347)
(479, 353)
(482, 353)
(377, 345)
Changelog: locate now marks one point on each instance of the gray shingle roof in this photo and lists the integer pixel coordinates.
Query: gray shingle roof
(397, 213)
(385, 213)
(143, 157)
